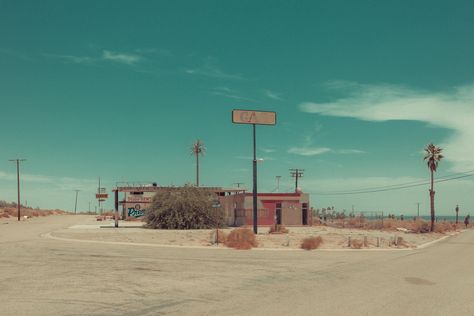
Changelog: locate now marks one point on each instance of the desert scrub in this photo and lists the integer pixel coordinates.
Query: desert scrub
(356, 244)
(311, 243)
(221, 236)
(241, 238)
(278, 229)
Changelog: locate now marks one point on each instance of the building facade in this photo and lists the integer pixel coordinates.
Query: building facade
(235, 203)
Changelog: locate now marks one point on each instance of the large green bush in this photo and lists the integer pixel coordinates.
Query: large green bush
(186, 207)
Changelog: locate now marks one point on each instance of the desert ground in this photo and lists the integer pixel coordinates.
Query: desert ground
(333, 238)
(65, 265)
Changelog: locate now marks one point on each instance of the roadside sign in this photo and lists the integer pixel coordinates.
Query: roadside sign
(253, 117)
(101, 196)
(102, 190)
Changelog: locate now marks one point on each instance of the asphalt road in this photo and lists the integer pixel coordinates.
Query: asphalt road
(40, 276)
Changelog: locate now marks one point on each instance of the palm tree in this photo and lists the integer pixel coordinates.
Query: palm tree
(197, 149)
(432, 157)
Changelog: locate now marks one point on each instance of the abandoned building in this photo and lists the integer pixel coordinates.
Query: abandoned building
(236, 204)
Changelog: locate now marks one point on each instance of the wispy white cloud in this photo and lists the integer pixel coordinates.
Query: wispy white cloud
(210, 69)
(24, 177)
(251, 158)
(314, 151)
(349, 151)
(124, 58)
(230, 93)
(106, 56)
(74, 59)
(452, 110)
(308, 151)
(272, 95)
(268, 150)
(61, 183)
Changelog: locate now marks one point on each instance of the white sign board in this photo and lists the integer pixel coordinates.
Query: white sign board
(253, 117)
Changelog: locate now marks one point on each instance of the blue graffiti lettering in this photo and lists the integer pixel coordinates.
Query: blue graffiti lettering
(134, 212)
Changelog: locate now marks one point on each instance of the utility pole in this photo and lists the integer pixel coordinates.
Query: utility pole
(75, 204)
(457, 212)
(418, 210)
(238, 184)
(296, 173)
(18, 160)
(99, 191)
(278, 183)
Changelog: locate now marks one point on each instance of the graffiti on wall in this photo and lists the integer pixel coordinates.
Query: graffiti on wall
(136, 211)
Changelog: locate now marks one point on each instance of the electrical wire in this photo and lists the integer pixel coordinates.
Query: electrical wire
(396, 186)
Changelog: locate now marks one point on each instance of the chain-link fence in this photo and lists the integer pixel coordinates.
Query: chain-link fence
(366, 219)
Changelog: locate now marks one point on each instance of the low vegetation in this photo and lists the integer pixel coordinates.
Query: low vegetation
(29, 212)
(311, 243)
(221, 236)
(278, 229)
(186, 207)
(357, 244)
(241, 238)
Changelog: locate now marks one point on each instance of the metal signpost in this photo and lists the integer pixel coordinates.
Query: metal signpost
(216, 205)
(254, 118)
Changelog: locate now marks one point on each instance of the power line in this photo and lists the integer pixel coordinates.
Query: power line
(391, 188)
(420, 182)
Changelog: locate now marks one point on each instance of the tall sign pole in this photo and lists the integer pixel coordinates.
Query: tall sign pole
(18, 182)
(254, 191)
(254, 118)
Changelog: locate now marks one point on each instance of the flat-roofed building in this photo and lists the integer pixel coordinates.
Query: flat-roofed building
(236, 204)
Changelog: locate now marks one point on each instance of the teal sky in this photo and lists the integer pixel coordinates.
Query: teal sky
(121, 89)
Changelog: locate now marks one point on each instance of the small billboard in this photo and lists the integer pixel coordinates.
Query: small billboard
(253, 117)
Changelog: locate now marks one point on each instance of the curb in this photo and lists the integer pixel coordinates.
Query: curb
(422, 246)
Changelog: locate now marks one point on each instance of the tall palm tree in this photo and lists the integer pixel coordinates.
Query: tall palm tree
(197, 149)
(432, 157)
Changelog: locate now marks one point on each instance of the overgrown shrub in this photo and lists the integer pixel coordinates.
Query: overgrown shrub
(186, 207)
(419, 226)
(356, 244)
(221, 236)
(278, 229)
(241, 238)
(311, 243)
(442, 227)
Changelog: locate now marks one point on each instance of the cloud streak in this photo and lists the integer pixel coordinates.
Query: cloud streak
(272, 95)
(211, 70)
(453, 110)
(106, 56)
(315, 151)
(230, 93)
(61, 183)
(123, 58)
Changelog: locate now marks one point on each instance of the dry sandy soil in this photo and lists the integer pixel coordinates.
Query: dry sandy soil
(44, 276)
(333, 238)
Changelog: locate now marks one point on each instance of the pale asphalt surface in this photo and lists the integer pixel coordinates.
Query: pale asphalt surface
(40, 276)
